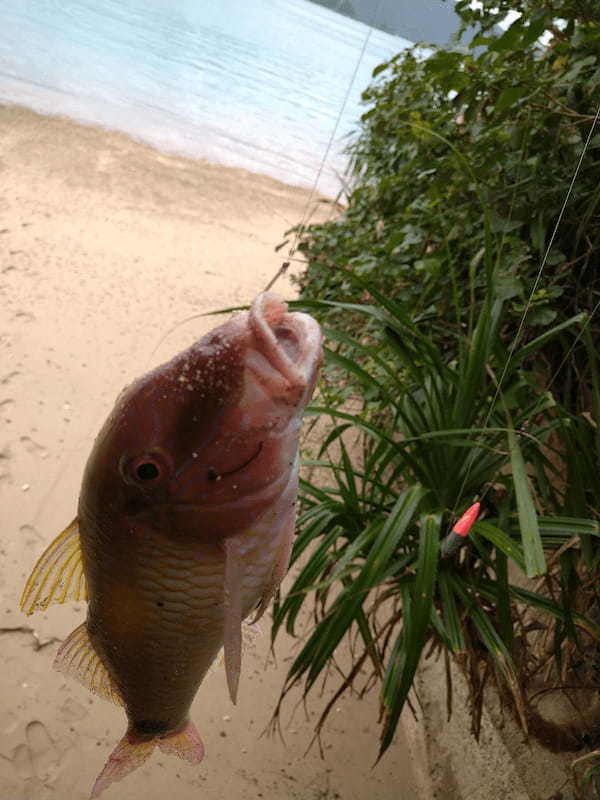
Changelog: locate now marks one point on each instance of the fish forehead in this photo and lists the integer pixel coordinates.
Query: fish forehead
(181, 399)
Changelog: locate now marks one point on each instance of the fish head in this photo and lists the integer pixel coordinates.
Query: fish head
(204, 444)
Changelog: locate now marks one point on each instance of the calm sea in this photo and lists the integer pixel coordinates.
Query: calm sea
(251, 83)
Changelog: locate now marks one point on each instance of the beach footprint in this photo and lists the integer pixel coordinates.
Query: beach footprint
(37, 759)
(31, 445)
(45, 756)
(5, 460)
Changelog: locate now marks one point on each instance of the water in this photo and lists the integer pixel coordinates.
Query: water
(251, 83)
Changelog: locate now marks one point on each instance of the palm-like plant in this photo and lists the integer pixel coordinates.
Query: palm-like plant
(439, 430)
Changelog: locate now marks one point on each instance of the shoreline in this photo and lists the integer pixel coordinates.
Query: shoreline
(164, 150)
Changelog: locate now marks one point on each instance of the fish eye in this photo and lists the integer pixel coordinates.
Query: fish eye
(147, 471)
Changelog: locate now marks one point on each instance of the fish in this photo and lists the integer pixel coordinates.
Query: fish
(184, 526)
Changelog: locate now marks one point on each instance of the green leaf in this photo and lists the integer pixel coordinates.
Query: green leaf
(318, 562)
(508, 286)
(535, 29)
(450, 613)
(510, 39)
(535, 563)
(487, 589)
(502, 541)
(409, 644)
(487, 633)
(568, 526)
(535, 344)
(361, 374)
(322, 643)
(509, 96)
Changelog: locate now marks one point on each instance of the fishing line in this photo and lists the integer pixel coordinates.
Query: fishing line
(527, 307)
(306, 215)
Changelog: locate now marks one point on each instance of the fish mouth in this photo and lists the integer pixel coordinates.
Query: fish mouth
(286, 350)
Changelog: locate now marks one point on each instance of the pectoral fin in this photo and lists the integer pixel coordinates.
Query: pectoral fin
(58, 575)
(78, 658)
(232, 631)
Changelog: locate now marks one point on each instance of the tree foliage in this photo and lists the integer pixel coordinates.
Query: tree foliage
(463, 167)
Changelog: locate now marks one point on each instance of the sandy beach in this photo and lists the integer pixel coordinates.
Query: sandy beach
(110, 252)
(108, 246)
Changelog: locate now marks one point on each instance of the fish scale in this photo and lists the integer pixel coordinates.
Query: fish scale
(187, 631)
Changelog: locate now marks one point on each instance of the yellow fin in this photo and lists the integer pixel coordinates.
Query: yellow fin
(78, 658)
(58, 575)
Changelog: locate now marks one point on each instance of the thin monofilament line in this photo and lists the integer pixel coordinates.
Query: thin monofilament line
(528, 305)
(306, 214)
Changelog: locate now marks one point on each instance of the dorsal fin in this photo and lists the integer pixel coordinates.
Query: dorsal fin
(58, 575)
(78, 658)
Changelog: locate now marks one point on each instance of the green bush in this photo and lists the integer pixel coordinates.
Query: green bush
(445, 435)
(462, 166)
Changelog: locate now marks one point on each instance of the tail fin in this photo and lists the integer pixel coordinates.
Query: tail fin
(132, 751)
(185, 743)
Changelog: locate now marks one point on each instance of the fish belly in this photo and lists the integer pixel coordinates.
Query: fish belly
(159, 625)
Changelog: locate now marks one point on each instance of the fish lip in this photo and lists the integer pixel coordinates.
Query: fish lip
(269, 316)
